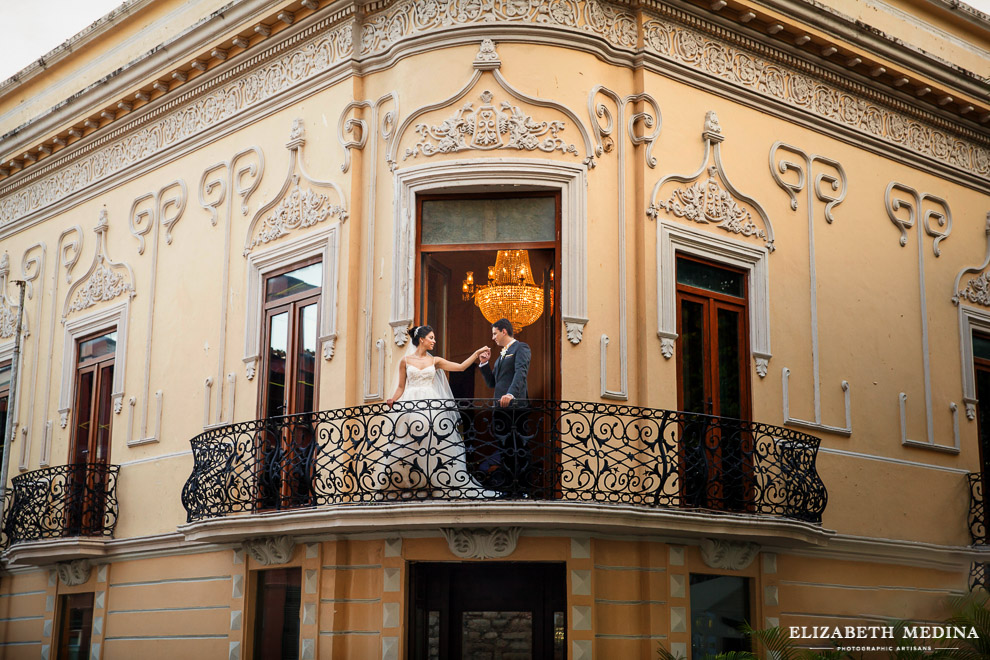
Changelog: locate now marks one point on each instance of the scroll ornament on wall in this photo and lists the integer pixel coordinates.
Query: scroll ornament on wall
(909, 209)
(977, 289)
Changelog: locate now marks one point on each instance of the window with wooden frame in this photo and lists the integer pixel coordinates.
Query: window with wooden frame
(5, 373)
(981, 369)
(75, 626)
(289, 386)
(89, 453)
(94, 403)
(713, 380)
(278, 595)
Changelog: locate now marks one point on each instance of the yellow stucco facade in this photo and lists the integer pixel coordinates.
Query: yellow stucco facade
(159, 171)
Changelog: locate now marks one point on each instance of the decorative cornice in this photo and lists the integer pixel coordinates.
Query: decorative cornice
(795, 84)
(182, 118)
(785, 78)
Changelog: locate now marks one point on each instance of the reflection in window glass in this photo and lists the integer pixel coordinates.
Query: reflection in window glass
(981, 347)
(497, 634)
(500, 220)
(710, 278)
(719, 606)
(97, 347)
(297, 281)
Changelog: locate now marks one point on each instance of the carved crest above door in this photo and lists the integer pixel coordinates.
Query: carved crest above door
(707, 197)
(497, 117)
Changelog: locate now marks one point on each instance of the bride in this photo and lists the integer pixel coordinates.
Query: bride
(426, 451)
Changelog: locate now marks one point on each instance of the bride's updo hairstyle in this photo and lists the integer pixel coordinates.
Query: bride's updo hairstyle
(418, 332)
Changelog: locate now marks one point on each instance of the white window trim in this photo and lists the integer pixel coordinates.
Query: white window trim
(970, 319)
(677, 239)
(495, 175)
(7, 355)
(108, 319)
(326, 245)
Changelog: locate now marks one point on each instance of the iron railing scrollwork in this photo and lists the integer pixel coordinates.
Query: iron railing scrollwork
(542, 450)
(62, 502)
(978, 574)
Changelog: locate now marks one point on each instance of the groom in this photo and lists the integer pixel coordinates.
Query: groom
(508, 378)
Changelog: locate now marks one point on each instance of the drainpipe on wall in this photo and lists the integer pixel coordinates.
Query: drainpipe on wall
(12, 403)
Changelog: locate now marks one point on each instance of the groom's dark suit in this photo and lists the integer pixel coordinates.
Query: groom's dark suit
(509, 374)
(515, 473)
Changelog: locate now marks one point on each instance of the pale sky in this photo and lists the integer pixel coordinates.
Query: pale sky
(28, 30)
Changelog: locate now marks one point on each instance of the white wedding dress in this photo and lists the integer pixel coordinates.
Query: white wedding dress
(426, 452)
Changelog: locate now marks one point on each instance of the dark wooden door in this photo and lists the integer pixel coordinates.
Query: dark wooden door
(713, 383)
(492, 609)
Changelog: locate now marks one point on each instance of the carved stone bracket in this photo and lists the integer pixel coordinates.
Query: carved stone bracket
(270, 550)
(482, 543)
(728, 555)
(575, 330)
(73, 573)
(712, 200)
(105, 280)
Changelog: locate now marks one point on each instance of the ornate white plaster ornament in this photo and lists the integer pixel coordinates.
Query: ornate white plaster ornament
(728, 555)
(288, 65)
(8, 307)
(762, 366)
(708, 202)
(838, 184)
(734, 58)
(295, 207)
(482, 543)
(489, 126)
(167, 210)
(604, 142)
(400, 335)
(105, 280)
(73, 573)
(712, 201)
(575, 331)
(977, 292)
(328, 347)
(270, 550)
(667, 347)
(977, 289)
(214, 184)
(899, 197)
(409, 17)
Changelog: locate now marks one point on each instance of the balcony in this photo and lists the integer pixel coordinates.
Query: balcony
(565, 460)
(60, 513)
(978, 575)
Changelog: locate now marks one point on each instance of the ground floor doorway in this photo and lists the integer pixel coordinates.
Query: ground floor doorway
(505, 610)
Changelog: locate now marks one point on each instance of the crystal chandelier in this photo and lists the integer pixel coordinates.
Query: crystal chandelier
(510, 293)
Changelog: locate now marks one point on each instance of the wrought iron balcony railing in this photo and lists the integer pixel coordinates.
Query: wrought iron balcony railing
(545, 450)
(978, 576)
(62, 502)
(977, 514)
